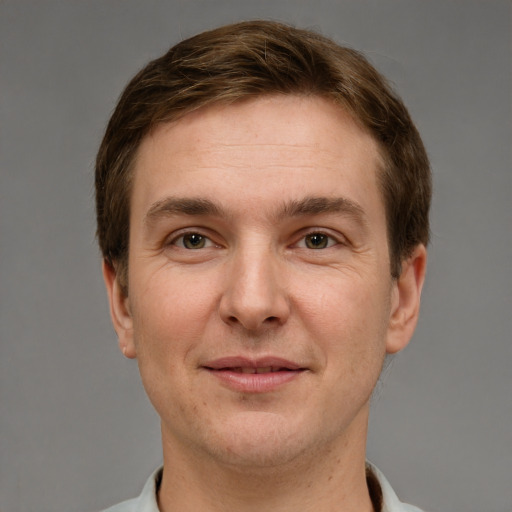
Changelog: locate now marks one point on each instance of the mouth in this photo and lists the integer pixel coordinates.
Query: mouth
(254, 376)
(258, 370)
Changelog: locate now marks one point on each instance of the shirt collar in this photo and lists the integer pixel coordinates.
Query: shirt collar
(390, 501)
(147, 501)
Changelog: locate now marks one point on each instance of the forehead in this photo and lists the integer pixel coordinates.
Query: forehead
(260, 144)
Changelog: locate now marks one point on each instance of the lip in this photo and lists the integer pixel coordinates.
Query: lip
(233, 372)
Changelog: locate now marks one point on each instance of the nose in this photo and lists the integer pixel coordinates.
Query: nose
(254, 294)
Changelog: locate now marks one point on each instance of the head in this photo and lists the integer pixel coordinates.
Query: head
(255, 59)
(262, 205)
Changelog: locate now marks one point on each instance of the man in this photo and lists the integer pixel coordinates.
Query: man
(262, 202)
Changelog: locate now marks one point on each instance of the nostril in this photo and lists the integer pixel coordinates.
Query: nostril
(269, 320)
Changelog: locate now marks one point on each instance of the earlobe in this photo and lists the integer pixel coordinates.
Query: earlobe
(119, 311)
(406, 297)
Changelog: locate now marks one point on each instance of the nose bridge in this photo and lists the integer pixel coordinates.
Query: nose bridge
(254, 294)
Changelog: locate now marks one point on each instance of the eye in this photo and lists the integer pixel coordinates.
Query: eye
(192, 241)
(317, 241)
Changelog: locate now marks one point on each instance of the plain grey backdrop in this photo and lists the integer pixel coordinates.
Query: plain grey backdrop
(76, 430)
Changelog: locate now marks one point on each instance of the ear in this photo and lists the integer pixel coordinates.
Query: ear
(405, 301)
(119, 311)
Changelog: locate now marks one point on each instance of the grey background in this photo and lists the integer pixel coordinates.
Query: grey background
(76, 430)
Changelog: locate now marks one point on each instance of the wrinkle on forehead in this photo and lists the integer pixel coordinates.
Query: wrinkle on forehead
(307, 206)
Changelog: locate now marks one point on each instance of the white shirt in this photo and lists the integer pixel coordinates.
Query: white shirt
(146, 502)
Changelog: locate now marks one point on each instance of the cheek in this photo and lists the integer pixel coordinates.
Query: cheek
(170, 319)
(348, 319)
(170, 316)
(345, 301)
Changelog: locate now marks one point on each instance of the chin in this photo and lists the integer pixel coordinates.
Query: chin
(259, 440)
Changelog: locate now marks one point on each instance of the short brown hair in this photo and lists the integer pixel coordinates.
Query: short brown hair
(251, 59)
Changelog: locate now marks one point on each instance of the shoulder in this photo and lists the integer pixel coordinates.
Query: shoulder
(410, 508)
(125, 506)
(390, 501)
(146, 501)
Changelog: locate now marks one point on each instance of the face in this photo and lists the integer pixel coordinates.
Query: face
(260, 304)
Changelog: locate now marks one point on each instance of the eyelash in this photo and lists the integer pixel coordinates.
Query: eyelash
(330, 240)
(181, 240)
(183, 236)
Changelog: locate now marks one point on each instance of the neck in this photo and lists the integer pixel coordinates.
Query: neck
(332, 478)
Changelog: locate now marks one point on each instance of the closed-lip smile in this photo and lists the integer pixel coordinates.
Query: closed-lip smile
(259, 375)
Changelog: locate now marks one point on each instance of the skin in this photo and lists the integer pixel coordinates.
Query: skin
(255, 285)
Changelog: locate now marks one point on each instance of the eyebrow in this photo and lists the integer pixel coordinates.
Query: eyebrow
(311, 205)
(318, 205)
(182, 206)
